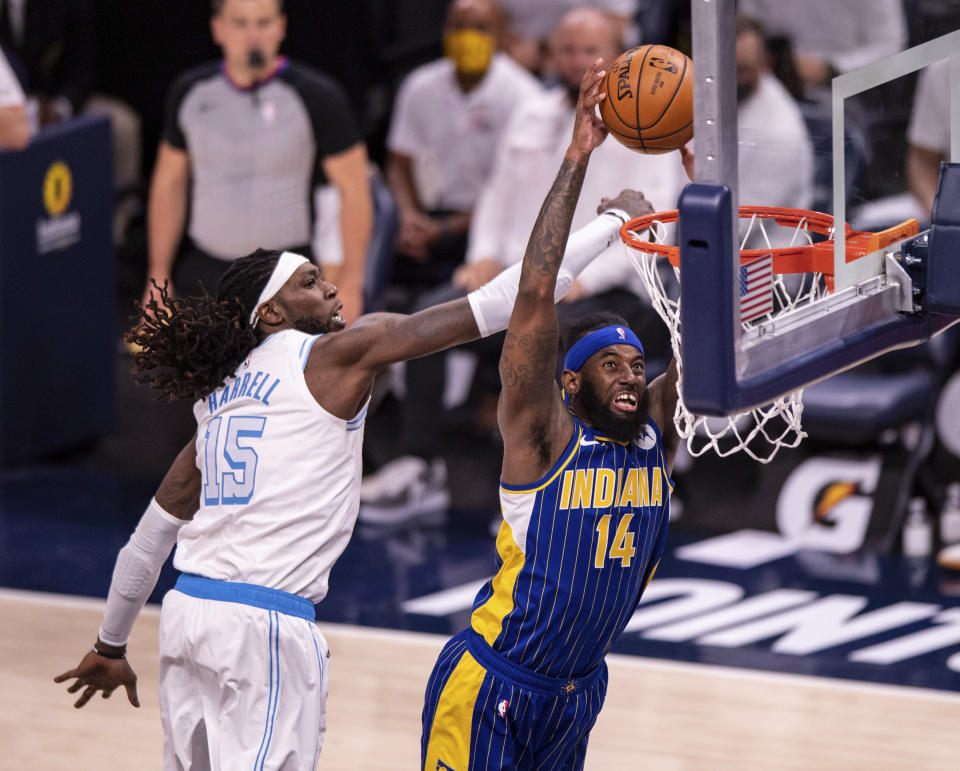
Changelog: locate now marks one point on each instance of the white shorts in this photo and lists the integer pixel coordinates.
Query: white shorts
(241, 685)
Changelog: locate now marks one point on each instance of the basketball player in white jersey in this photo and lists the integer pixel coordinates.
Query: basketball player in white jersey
(264, 498)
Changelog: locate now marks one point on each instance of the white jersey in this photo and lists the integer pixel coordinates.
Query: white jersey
(281, 477)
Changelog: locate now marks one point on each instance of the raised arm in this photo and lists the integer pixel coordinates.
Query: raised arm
(341, 367)
(663, 405)
(533, 420)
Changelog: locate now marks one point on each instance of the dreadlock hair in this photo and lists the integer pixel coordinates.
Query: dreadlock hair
(188, 346)
(579, 328)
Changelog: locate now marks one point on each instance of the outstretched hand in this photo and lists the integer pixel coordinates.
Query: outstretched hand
(588, 130)
(98, 673)
(630, 201)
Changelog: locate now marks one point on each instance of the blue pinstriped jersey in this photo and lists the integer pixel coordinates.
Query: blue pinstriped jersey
(576, 551)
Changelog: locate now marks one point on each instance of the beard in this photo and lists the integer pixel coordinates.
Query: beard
(601, 418)
(312, 325)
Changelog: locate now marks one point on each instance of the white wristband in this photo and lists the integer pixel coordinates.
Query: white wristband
(492, 303)
(135, 574)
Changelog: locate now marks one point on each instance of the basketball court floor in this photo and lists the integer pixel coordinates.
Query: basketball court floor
(746, 653)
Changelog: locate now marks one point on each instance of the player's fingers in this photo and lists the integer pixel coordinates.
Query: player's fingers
(76, 686)
(132, 693)
(596, 78)
(106, 692)
(590, 75)
(65, 676)
(85, 697)
(594, 94)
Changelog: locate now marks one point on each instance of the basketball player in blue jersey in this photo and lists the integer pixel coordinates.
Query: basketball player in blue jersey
(263, 500)
(585, 497)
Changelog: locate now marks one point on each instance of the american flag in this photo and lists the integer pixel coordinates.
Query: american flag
(756, 288)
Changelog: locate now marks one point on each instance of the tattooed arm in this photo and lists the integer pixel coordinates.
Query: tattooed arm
(533, 419)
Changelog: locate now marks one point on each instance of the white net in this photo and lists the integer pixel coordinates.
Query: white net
(762, 431)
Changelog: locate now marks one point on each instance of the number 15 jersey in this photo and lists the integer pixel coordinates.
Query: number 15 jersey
(281, 476)
(576, 551)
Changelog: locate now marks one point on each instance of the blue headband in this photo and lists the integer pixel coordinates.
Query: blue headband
(588, 345)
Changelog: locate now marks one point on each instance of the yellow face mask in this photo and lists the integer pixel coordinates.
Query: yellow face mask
(470, 50)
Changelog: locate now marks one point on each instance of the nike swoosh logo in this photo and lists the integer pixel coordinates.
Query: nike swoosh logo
(584, 442)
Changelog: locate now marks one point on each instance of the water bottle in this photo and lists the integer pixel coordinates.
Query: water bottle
(950, 516)
(917, 532)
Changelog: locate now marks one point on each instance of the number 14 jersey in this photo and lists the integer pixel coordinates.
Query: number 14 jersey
(576, 551)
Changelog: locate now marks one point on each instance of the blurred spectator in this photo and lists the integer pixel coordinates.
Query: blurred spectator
(775, 153)
(53, 43)
(14, 123)
(448, 116)
(245, 143)
(530, 151)
(531, 22)
(929, 133)
(829, 37)
(529, 154)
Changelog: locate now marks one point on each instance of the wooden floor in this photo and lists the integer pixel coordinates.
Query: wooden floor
(658, 716)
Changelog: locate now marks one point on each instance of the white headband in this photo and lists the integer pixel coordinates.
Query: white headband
(286, 267)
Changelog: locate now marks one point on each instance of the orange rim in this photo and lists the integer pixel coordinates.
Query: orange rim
(803, 258)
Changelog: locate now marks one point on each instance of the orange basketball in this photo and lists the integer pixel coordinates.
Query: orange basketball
(649, 103)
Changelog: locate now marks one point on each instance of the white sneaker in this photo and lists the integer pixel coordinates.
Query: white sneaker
(405, 488)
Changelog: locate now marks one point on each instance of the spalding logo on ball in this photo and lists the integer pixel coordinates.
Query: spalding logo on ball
(649, 103)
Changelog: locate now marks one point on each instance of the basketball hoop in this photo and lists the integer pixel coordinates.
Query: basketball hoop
(793, 268)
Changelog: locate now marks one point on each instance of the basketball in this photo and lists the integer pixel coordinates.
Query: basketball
(649, 102)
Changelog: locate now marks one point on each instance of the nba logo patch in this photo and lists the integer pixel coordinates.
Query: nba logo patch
(621, 333)
(502, 708)
(647, 439)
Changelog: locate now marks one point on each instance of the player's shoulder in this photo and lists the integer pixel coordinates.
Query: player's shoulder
(288, 342)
